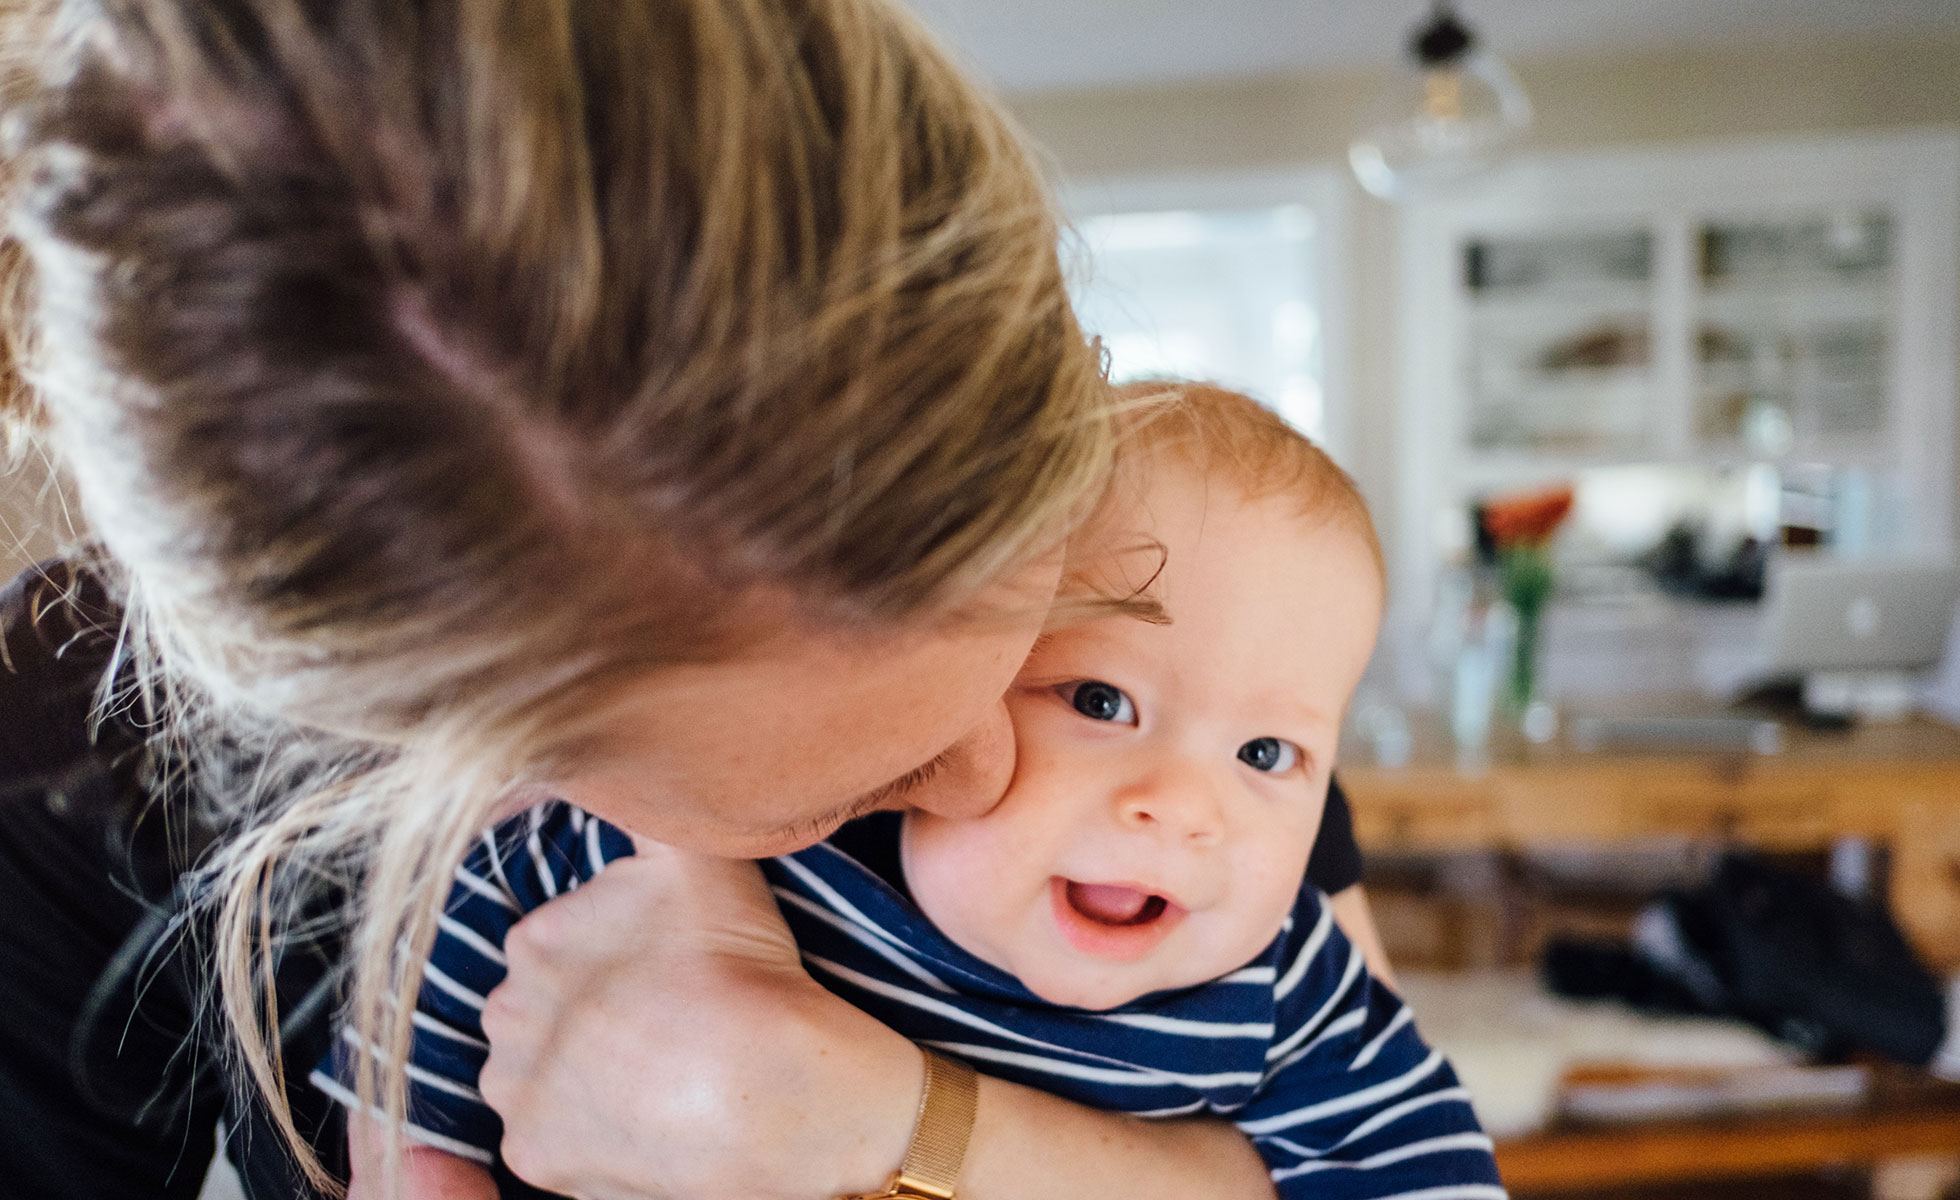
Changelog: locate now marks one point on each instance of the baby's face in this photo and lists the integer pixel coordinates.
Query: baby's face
(1170, 778)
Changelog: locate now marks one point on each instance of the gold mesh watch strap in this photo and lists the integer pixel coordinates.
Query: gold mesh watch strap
(946, 1109)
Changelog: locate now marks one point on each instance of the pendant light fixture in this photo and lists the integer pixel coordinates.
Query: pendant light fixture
(1457, 111)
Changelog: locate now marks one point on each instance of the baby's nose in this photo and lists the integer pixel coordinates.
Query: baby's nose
(1183, 809)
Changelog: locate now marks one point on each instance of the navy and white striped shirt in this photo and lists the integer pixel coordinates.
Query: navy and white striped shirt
(1318, 1063)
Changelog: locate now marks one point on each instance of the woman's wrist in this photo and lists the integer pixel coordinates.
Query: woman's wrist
(870, 1086)
(1031, 1143)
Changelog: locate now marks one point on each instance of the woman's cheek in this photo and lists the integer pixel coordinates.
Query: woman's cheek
(1044, 757)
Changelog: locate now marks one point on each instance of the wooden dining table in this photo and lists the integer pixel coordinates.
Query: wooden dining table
(1909, 1128)
(1893, 784)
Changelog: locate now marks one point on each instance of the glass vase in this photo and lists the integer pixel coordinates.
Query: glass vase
(1526, 572)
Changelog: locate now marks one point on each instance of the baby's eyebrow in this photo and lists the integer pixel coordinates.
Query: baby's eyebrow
(1138, 606)
(1289, 708)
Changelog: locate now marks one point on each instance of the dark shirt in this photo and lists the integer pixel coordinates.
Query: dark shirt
(1335, 865)
(98, 1097)
(111, 1084)
(57, 636)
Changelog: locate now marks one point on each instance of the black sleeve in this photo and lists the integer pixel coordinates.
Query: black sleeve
(1335, 865)
(107, 1084)
(96, 1098)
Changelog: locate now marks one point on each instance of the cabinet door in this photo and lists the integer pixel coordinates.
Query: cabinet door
(1559, 342)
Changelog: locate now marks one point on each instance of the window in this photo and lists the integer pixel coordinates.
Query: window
(1227, 282)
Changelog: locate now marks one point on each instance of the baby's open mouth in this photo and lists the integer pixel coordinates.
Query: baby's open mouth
(1114, 904)
(1117, 921)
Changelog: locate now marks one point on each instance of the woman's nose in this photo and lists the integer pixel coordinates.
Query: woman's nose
(1177, 804)
(973, 774)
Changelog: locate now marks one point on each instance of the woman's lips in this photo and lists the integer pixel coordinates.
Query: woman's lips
(1116, 921)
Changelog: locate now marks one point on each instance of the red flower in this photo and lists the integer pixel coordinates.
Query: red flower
(1527, 518)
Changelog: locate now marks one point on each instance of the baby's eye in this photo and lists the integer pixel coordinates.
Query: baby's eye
(1100, 701)
(1271, 755)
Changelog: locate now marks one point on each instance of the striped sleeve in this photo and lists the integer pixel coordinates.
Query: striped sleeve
(1355, 1106)
(524, 862)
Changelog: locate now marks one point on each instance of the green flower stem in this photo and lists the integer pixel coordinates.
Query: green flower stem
(1525, 572)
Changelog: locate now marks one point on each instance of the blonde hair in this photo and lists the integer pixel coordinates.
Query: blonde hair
(425, 368)
(1232, 435)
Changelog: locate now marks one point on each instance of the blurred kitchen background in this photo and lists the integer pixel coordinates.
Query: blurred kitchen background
(1636, 324)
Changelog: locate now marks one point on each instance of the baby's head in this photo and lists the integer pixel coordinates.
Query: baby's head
(1171, 772)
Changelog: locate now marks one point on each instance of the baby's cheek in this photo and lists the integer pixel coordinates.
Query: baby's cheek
(1272, 876)
(953, 869)
(936, 853)
(1262, 901)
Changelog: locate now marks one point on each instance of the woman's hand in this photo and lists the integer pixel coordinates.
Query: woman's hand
(657, 1036)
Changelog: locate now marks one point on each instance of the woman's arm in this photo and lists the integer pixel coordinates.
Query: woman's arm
(1357, 920)
(426, 1173)
(692, 1055)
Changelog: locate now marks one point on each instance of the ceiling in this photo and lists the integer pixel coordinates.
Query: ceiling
(1042, 45)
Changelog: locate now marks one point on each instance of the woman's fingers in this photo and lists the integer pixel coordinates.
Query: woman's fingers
(657, 1035)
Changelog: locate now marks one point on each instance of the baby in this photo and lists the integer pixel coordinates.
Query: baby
(1129, 927)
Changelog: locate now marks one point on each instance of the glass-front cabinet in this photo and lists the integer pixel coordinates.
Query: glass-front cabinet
(1793, 333)
(1771, 322)
(1790, 321)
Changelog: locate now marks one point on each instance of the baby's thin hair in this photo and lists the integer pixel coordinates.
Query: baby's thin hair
(1230, 435)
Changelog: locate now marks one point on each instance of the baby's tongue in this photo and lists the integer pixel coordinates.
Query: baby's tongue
(1107, 902)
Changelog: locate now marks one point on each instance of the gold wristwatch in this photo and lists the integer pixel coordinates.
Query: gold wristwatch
(939, 1136)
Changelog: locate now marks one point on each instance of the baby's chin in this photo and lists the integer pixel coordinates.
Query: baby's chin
(1096, 990)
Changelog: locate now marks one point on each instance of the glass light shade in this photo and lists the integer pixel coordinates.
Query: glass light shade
(1440, 124)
